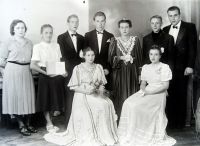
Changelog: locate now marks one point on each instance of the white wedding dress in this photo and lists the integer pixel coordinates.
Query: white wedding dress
(93, 118)
(143, 121)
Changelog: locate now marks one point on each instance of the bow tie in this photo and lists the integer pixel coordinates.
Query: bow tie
(74, 34)
(98, 32)
(175, 27)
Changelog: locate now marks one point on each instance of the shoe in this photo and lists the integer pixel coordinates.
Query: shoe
(52, 128)
(31, 129)
(23, 130)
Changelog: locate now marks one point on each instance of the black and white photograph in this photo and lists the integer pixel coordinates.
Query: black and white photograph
(100, 73)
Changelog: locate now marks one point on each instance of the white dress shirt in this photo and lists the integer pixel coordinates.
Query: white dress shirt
(74, 40)
(99, 39)
(174, 31)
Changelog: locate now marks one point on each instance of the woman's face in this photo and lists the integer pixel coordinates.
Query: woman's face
(89, 56)
(47, 34)
(124, 29)
(154, 55)
(19, 30)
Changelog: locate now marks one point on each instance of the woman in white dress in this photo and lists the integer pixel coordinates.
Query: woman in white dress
(93, 119)
(143, 121)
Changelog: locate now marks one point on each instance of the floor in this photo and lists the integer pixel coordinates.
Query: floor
(11, 137)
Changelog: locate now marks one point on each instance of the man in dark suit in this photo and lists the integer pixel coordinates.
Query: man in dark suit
(71, 43)
(185, 38)
(160, 38)
(99, 40)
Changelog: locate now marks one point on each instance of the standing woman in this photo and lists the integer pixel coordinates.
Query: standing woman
(125, 57)
(51, 89)
(18, 87)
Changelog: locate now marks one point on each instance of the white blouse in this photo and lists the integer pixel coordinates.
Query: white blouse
(46, 52)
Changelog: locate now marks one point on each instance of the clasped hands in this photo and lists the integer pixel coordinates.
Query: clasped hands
(127, 58)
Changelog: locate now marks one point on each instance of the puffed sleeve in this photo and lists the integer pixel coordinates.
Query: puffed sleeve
(4, 52)
(143, 73)
(58, 51)
(75, 78)
(36, 53)
(166, 73)
(101, 75)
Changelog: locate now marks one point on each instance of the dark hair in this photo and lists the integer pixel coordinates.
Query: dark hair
(125, 21)
(14, 23)
(156, 47)
(87, 49)
(45, 26)
(99, 14)
(71, 16)
(173, 8)
(156, 16)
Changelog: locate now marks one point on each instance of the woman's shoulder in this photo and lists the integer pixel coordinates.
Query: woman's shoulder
(164, 65)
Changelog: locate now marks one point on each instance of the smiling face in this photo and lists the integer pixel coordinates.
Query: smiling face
(19, 30)
(73, 24)
(47, 34)
(174, 17)
(124, 29)
(154, 55)
(156, 24)
(89, 56)
(100, 22)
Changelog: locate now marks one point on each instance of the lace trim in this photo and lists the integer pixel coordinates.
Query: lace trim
(126, 49)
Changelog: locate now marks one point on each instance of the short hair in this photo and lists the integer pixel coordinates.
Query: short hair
(156, 47)
(173, 8)
(71, 16)
(99, 14)
(125, 21)
(14, 23)
(45, 26)
(87, 49)
(156, 16)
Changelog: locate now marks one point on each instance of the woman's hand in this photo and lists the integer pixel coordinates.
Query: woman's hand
(90, 90)
(65, 75)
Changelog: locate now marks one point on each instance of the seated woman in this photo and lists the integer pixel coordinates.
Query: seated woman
(93, 119)
(143, 120)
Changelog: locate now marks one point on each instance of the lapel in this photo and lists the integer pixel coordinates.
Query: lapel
(104, 39)
(180, 33)
(69, 41)
(78, 43)
(94, 37)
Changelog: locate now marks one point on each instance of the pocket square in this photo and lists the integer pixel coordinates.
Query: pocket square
(108, 41)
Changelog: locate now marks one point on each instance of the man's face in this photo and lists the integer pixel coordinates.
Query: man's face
(174, 17)
(73, 24)
(156, 24)
(100, 22)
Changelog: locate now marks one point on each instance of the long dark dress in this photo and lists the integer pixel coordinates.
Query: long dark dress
(125, 76)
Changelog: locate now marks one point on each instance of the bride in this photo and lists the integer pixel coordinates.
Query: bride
(93, 119)
(143, 120)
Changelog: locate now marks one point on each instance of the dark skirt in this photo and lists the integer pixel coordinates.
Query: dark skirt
(124, 83)
(51, 93)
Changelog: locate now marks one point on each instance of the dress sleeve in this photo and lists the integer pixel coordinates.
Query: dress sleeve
(166, 73)
(143, 73)
(101, 75)
(36, 54)
(113, 58)
(58, 51)
(75, 78)
(4, 52)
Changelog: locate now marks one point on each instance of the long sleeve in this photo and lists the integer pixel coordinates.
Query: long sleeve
(139, 54)
(192, 45)
(171, 52)
(113, 58)
(144, 52)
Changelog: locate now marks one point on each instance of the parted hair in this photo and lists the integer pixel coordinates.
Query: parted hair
(125, 21)
(156, 16)
(173, 8)
(45, 26)
(14, 23)
(100, 13)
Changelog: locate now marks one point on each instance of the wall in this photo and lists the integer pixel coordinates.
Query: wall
(38, 12)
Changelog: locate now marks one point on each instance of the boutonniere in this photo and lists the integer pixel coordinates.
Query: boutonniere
(162, 49)
(108, 41)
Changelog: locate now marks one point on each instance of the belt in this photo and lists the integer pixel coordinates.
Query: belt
(19, 63)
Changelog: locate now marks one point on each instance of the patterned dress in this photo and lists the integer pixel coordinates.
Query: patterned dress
(93, 119)
(125, 75)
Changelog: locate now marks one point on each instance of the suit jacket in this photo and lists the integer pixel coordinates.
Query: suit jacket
(69, 54)
(185, 46)
(163, 40)
(92, 41)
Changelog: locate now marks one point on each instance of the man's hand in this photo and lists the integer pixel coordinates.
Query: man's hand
(188, 71)
(106, 72)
